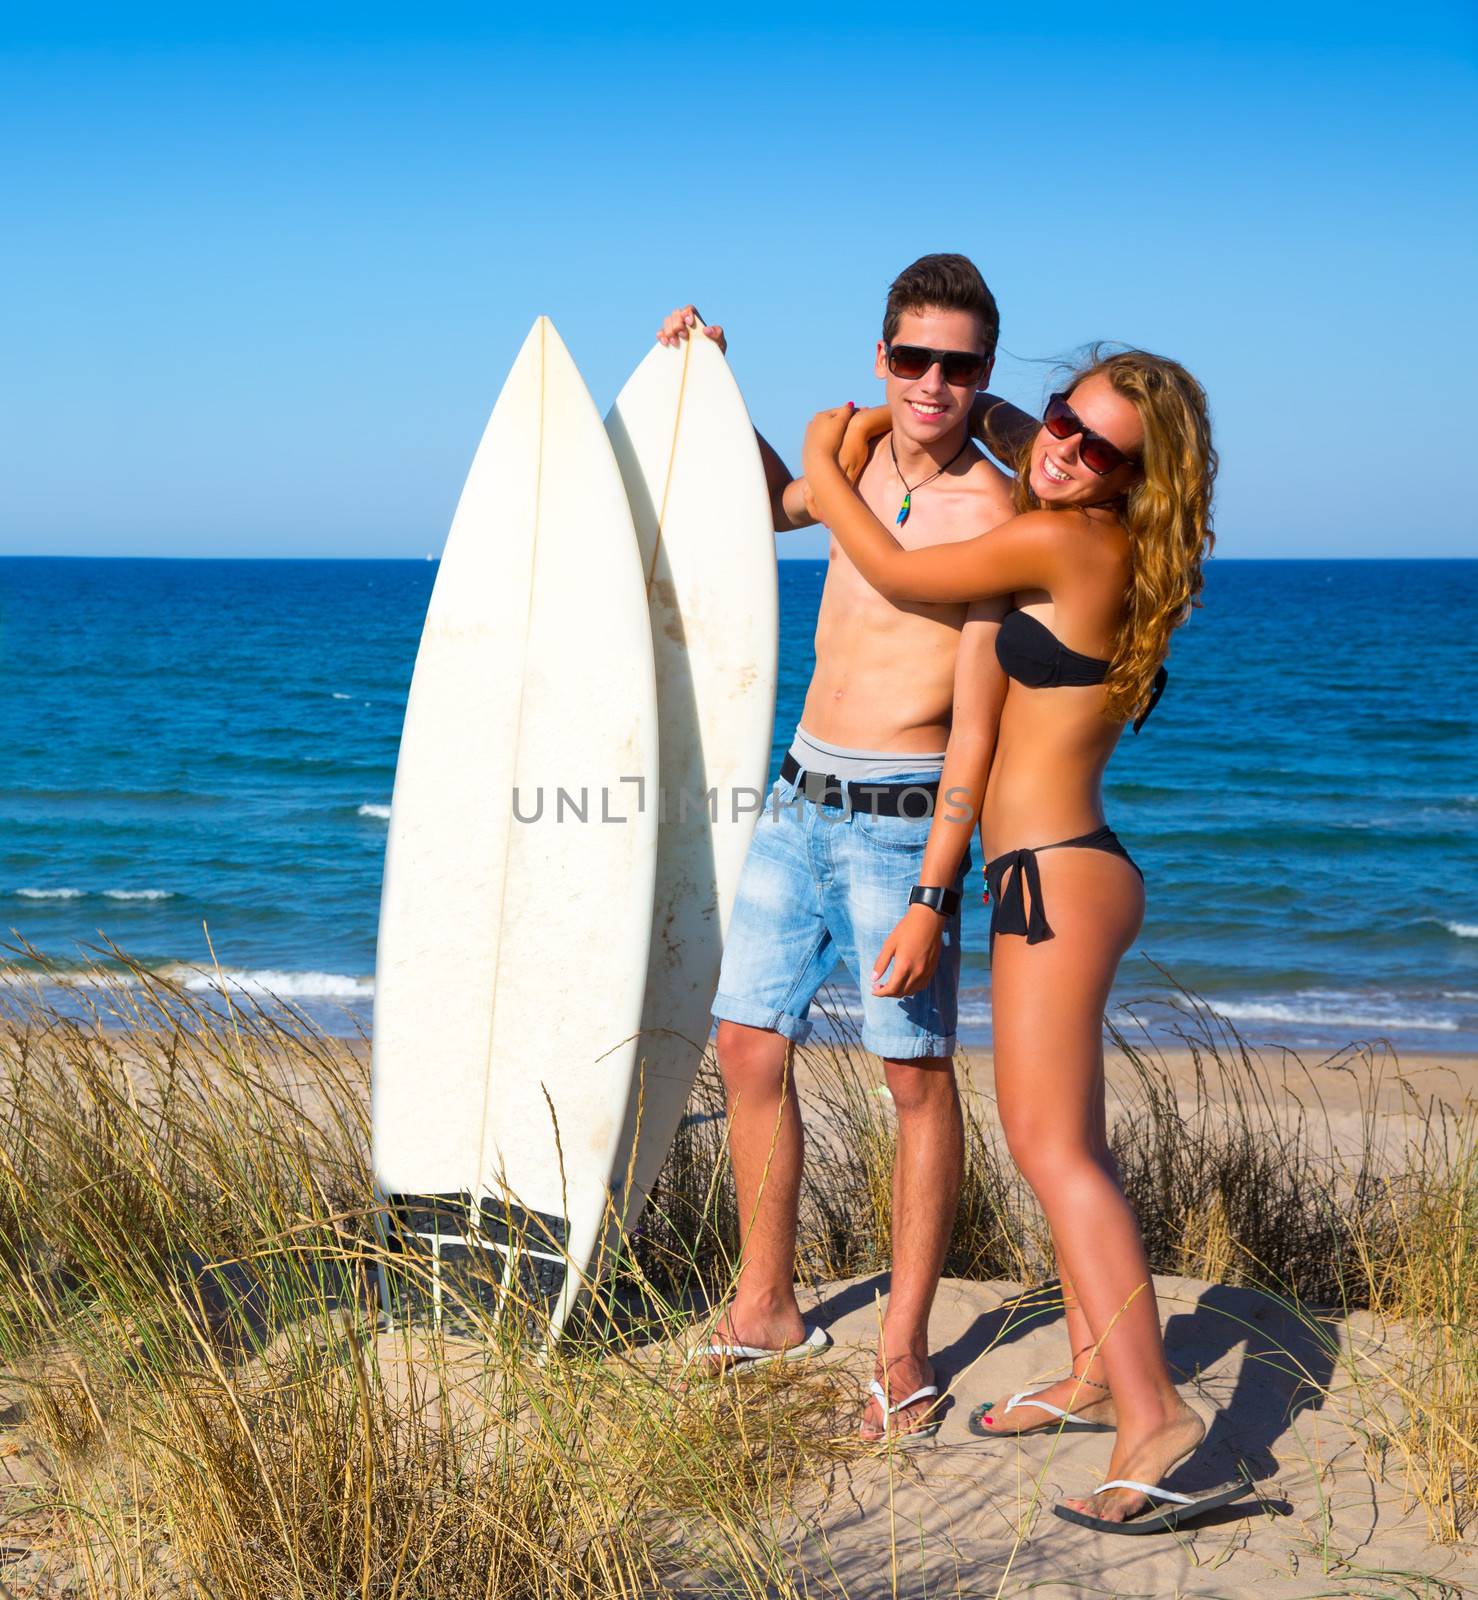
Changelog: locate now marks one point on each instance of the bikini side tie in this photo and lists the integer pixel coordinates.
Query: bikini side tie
(1161, 679)
(1006, 899)
(1010, 903)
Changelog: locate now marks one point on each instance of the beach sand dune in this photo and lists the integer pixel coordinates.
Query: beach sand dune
(963, 1516)
(1284, 1389)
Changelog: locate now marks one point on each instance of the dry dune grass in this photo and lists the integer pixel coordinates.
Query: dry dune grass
(194, 1371)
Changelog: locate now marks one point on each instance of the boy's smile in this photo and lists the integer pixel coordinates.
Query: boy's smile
(927, 411)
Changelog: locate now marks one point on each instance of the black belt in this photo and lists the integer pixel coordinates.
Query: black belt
(912, 800)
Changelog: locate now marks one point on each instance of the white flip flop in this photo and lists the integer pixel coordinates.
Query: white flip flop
(750, 1357)
(909, 1436)
(1173, 1511)
(1067, 1421)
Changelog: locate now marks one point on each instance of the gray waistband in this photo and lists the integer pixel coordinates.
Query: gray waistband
(866, 766)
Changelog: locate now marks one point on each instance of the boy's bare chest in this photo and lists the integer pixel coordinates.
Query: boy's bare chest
(934, 510)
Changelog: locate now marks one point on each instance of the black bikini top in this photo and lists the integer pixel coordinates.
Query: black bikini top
(1032, 654)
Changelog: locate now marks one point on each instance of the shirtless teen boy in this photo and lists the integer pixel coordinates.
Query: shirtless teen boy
(840, 845)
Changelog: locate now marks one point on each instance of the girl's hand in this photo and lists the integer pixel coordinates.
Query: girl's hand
(911, 951)
(824, 438)
(866, 425)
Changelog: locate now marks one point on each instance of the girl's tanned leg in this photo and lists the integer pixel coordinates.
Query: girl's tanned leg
(1083, 1387)
(1048, 1003)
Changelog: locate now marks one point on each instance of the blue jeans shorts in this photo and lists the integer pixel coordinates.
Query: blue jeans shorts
(822, 884)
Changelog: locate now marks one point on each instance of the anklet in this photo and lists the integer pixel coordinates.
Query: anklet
(1092, 1350)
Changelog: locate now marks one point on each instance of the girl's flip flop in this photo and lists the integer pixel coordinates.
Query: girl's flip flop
(1067, 1421)
(749, 1357)
(1174, 1511)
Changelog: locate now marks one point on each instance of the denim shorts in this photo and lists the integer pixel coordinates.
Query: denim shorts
(822, 884)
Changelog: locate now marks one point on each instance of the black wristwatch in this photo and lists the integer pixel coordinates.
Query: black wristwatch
(945, 901)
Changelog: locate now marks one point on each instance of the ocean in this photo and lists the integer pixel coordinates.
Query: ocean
(193, 746)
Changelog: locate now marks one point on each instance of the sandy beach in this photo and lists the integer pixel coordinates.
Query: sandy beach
(1341, 1102)
(972, 1516)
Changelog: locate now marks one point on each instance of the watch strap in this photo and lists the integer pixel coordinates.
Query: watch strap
(945, 901)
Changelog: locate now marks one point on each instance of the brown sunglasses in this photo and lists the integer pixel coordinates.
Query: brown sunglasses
(1098, 454)
(962, 369)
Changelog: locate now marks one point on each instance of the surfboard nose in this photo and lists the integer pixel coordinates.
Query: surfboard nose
(545, 359)
(543, 332)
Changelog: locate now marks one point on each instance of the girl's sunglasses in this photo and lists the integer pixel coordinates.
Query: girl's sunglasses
(1094, 451)
(962, 369)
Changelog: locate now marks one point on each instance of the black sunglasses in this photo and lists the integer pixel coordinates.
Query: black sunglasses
(962, 369)
(1098, 454)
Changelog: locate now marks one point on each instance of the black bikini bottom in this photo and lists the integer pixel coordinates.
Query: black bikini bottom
(1008, 913)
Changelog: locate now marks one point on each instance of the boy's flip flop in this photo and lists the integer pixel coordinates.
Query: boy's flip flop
(1067, 1421)
(907, 1436)
(749, 1357)
(1174, 1511)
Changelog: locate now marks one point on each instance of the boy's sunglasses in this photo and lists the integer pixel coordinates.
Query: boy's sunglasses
(962, 369)
(1094, 451)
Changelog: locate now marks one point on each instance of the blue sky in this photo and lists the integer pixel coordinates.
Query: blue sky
(265, 271)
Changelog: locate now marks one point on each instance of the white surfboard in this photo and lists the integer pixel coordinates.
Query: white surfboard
(516, 909)
(687, 452)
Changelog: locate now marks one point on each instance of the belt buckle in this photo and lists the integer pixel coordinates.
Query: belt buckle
(817, 786)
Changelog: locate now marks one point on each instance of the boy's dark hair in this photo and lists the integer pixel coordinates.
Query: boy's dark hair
(943, 283)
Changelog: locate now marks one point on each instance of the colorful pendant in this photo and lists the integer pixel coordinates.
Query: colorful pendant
(902, 516)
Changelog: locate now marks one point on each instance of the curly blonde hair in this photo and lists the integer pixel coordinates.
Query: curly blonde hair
(1167, 514)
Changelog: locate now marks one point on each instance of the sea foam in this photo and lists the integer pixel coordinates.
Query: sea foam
(258, 984)
(368, 810)
(82, 894)
(1464, 930)
(1329, 1009)
(16, 975)
(265, 982)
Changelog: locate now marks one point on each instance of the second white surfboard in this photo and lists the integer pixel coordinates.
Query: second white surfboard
(686, 448)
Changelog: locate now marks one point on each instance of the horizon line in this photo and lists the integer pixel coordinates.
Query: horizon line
(31, 555)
